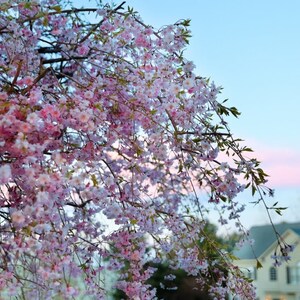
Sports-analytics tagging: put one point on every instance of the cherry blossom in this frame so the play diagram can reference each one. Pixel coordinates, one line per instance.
(109, 141)
(5, 173)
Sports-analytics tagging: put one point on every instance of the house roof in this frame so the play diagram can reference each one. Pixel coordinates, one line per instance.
(297, 230)
(263, 236)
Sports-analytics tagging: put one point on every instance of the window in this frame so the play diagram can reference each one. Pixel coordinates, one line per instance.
(273, 274)
(293, 274)
(251, 273)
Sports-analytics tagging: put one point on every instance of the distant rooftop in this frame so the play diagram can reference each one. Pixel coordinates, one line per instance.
(264, 236)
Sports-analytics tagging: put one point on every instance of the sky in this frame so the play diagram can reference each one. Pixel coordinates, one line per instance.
(252, 49)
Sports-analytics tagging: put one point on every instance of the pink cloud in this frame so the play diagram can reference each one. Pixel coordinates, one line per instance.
(280, 163)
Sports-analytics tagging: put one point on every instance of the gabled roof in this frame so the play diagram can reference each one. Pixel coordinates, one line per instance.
(296, 230)
(264, 236)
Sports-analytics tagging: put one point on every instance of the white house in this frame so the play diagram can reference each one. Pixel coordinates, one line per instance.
(272, 283)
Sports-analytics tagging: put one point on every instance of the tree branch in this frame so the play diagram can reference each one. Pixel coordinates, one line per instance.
(93, 29)
(62, 59)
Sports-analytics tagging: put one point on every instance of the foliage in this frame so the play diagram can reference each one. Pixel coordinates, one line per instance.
(177, 284)
(105, 123)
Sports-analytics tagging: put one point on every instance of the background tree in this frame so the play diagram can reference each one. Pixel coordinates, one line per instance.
(177, 284)
(105, 123)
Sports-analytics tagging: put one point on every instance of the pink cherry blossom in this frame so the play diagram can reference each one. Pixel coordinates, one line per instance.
(110, 145)
(5, 173)
(17, 217)
(83, 116)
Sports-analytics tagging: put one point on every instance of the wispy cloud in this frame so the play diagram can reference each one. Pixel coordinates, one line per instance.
(280, 163)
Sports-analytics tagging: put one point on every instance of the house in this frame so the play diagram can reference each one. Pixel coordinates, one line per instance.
(272, 283)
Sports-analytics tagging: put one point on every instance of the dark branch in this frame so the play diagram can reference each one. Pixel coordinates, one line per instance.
(81, 205)
(62, 59)
(93, 29)
(48, 50)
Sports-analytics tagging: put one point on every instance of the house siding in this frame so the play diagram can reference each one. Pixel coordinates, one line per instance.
(279, 289)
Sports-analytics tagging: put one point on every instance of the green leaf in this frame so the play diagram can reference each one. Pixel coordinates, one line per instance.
(258, 264)
(118, 32)
(70, 173)
(247, 185)
(197, 140)
(234, 111)
(179, 70)
(247, 149)
(186, 22)
(57, 8)
(253, 190)
(278, 210)
(94, 180)
(133, 222)
(223, 198)
(27, 5)
(27, 230)
(139, 151)
(83, 266)
(180, 168)
(45, 21)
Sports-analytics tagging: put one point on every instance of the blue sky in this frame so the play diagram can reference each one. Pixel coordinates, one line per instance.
(252, 49)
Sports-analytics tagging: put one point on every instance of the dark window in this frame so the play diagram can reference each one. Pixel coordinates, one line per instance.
(273, 274)
(288, 275)
(252, 273)
(293, 274)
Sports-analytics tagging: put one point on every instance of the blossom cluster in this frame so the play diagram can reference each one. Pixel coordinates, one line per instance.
(284, 253)
(107, 138)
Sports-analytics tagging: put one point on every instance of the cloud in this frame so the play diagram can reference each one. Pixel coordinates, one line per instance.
(280, 163)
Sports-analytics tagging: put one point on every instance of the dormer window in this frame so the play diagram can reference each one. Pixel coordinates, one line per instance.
(273, 274)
